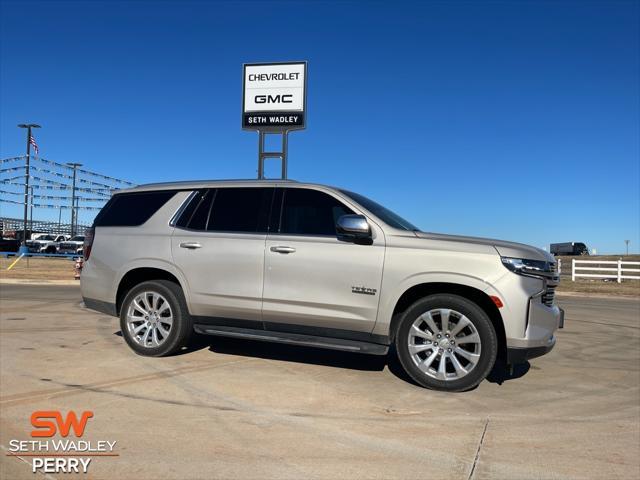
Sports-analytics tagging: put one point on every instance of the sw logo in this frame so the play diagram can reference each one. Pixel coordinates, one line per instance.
(48, 422)
(60, 455)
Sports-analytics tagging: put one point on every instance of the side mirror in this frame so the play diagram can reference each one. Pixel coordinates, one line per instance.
(354, 228)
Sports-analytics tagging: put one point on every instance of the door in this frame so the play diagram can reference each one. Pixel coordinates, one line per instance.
(218, 243)
(313, 279)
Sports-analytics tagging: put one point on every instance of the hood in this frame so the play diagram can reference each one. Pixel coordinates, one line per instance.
(505, 249)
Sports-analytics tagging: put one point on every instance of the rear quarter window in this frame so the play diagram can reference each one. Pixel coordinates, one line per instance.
(132, 209)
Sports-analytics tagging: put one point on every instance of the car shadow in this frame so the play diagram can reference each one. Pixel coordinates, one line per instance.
(330, 358)
(503, 373)
(291, 353)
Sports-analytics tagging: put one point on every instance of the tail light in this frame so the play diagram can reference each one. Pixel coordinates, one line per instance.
(88, 242)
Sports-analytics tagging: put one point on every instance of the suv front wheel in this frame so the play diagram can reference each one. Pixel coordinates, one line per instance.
(154, 318)
(446, 342)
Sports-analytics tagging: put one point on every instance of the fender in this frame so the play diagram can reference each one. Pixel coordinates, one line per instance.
(152, 263)
(391, 298)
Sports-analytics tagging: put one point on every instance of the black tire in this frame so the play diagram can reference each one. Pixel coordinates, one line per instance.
(481, 322)
(50, 250)
(181, 328)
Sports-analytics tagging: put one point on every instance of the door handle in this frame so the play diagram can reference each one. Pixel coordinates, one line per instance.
(190, 245)
(281, 249)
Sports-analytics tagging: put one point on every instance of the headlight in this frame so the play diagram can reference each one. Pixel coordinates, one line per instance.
(532, 268)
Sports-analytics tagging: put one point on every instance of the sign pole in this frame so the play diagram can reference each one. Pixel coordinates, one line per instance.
(282, 155)
(261, 155)
(285, 142)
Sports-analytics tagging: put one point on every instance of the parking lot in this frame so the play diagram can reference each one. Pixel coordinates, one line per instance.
(241, 409)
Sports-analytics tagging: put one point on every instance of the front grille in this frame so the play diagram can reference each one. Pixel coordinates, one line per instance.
(549, 295)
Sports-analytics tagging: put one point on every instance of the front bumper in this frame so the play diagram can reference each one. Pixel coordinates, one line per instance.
(540, 338)
(517, 355)
(69, 248)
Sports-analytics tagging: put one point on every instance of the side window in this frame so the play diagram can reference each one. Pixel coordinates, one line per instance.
(310, 212)
(131, 209)
(187, 211)
(195, 215)
(240, 210)
(228, 210)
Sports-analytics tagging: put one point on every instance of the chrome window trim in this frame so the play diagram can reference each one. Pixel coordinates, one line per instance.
(176, 215)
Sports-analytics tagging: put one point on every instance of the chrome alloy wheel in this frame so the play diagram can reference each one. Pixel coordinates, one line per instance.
(149, 319)
(444, 344)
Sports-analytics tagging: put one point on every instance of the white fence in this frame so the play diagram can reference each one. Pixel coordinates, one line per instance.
(615, 269)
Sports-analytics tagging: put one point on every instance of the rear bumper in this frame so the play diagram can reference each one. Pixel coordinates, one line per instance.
(100, 306)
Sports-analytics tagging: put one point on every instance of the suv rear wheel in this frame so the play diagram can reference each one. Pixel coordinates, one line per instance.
(446, 342)
(154, 318)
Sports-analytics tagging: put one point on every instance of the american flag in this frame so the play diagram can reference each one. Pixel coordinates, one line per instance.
(33, 143)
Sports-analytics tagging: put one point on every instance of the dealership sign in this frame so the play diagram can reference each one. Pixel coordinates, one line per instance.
(274, 96)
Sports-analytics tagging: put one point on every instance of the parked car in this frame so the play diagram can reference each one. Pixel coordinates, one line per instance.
(569, 248)
(42, 243)
(9, 245)
(74, 245)
(316, 266)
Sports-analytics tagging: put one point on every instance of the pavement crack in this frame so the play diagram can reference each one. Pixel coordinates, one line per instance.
(475, 460)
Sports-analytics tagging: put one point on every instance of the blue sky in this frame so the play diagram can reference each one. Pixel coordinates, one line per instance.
(517, 120)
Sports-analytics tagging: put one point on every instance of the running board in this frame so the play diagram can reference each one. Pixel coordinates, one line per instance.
(294, 339)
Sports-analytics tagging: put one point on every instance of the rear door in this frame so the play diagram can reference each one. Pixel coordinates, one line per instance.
(313, 279)
(218, 243)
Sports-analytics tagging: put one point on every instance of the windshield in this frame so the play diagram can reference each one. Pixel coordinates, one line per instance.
(387, 216)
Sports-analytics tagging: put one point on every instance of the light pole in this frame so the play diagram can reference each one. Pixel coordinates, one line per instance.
(28, 126)
(31, 212)
(73, 198)
(75, 218)
(627, 242)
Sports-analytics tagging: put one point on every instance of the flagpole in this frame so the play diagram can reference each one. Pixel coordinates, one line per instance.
(28, 126)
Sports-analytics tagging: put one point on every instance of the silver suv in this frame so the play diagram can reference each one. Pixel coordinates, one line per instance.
(318, 266)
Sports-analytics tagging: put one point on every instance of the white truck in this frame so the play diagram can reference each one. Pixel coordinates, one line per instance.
(42, 243)
(73, 245)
